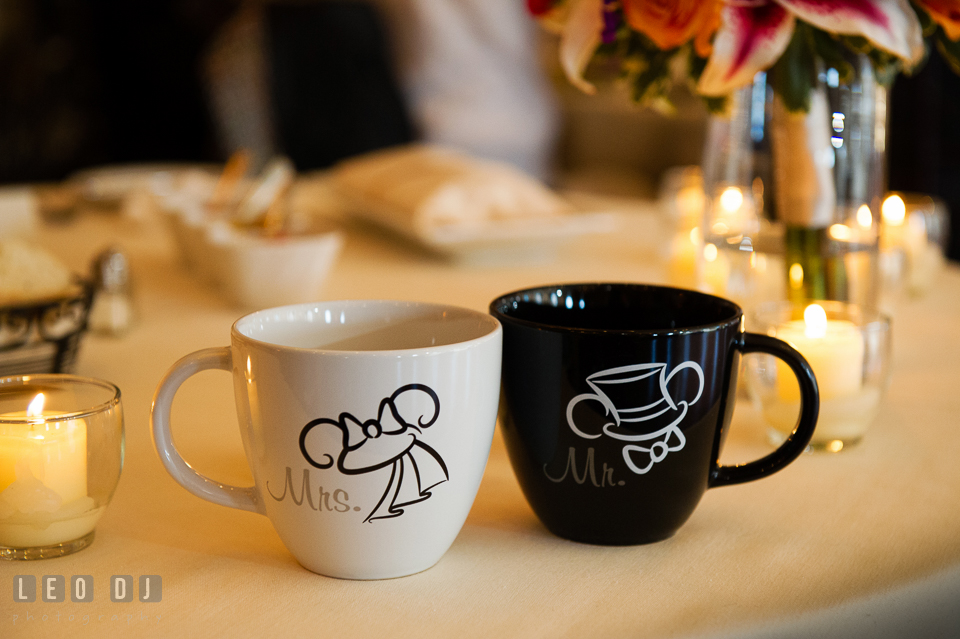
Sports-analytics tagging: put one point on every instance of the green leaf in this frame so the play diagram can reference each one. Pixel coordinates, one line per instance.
(886, 66)
(652, 82)
(831, 50)
(927, 24)
(857, 44)
(794, 74)
(695, 66)
(608, 49)
(949, 49)
(717, 105)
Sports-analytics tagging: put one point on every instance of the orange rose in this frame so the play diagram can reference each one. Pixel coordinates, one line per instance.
(946, 13)
(671, 23)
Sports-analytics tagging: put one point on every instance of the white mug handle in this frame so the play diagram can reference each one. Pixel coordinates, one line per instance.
(180, 470)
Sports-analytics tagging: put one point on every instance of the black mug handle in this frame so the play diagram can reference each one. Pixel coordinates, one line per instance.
(797, 442)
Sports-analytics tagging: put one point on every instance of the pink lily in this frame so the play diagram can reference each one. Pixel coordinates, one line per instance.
(754, 33)
(579, 39)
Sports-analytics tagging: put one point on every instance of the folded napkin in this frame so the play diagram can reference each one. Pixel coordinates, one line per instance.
(422, 188)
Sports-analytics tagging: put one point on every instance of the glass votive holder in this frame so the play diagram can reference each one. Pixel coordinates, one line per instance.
(915, 226)
(848, 348)
(681, 202)
(61, 452)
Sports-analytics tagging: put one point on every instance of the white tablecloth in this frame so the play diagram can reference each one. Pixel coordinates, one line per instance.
(861, 544)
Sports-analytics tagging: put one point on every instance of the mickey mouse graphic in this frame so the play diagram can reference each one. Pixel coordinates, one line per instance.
(388, 440)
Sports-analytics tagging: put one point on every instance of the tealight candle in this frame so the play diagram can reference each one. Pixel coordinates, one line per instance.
(905, 229)
(61, 452)
(716, 270)
(684, 258)
(847, 352)
(43, 478)
(834, 349)
(898, 231)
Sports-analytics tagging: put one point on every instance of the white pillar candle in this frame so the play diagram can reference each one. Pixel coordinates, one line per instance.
(43, 479)
(684, 260)
(835, 351)
(716, 270)
(906, 230)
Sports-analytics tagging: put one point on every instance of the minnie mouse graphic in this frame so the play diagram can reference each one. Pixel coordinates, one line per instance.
(388, 440)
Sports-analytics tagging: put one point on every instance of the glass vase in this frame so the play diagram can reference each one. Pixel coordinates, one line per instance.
(793, 198)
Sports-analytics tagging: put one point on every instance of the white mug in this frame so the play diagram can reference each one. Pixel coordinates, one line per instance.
(367, 426)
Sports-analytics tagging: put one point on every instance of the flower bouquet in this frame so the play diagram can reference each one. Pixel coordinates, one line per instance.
(724, 43)
(820, 69)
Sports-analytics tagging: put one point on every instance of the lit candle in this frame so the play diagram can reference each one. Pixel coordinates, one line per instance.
(686, 214)
(716, 270)
(906, 230)
(896, 232)
(835, 350)
(43, 478)
(684, 258)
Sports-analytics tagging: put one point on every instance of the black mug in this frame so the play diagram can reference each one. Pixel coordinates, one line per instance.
(616, 400)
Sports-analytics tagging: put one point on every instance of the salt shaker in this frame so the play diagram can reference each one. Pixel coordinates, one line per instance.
(112, 312)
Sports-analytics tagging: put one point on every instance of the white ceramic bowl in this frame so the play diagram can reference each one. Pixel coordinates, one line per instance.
(260, 272)
(253, 271)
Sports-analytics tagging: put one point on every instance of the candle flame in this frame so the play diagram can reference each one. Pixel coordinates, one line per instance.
(710, 252)
(840, 232)
(864, 217)
(796, 276)
(894, 210)
(35, 408)
(731, 199)
(815, 321)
